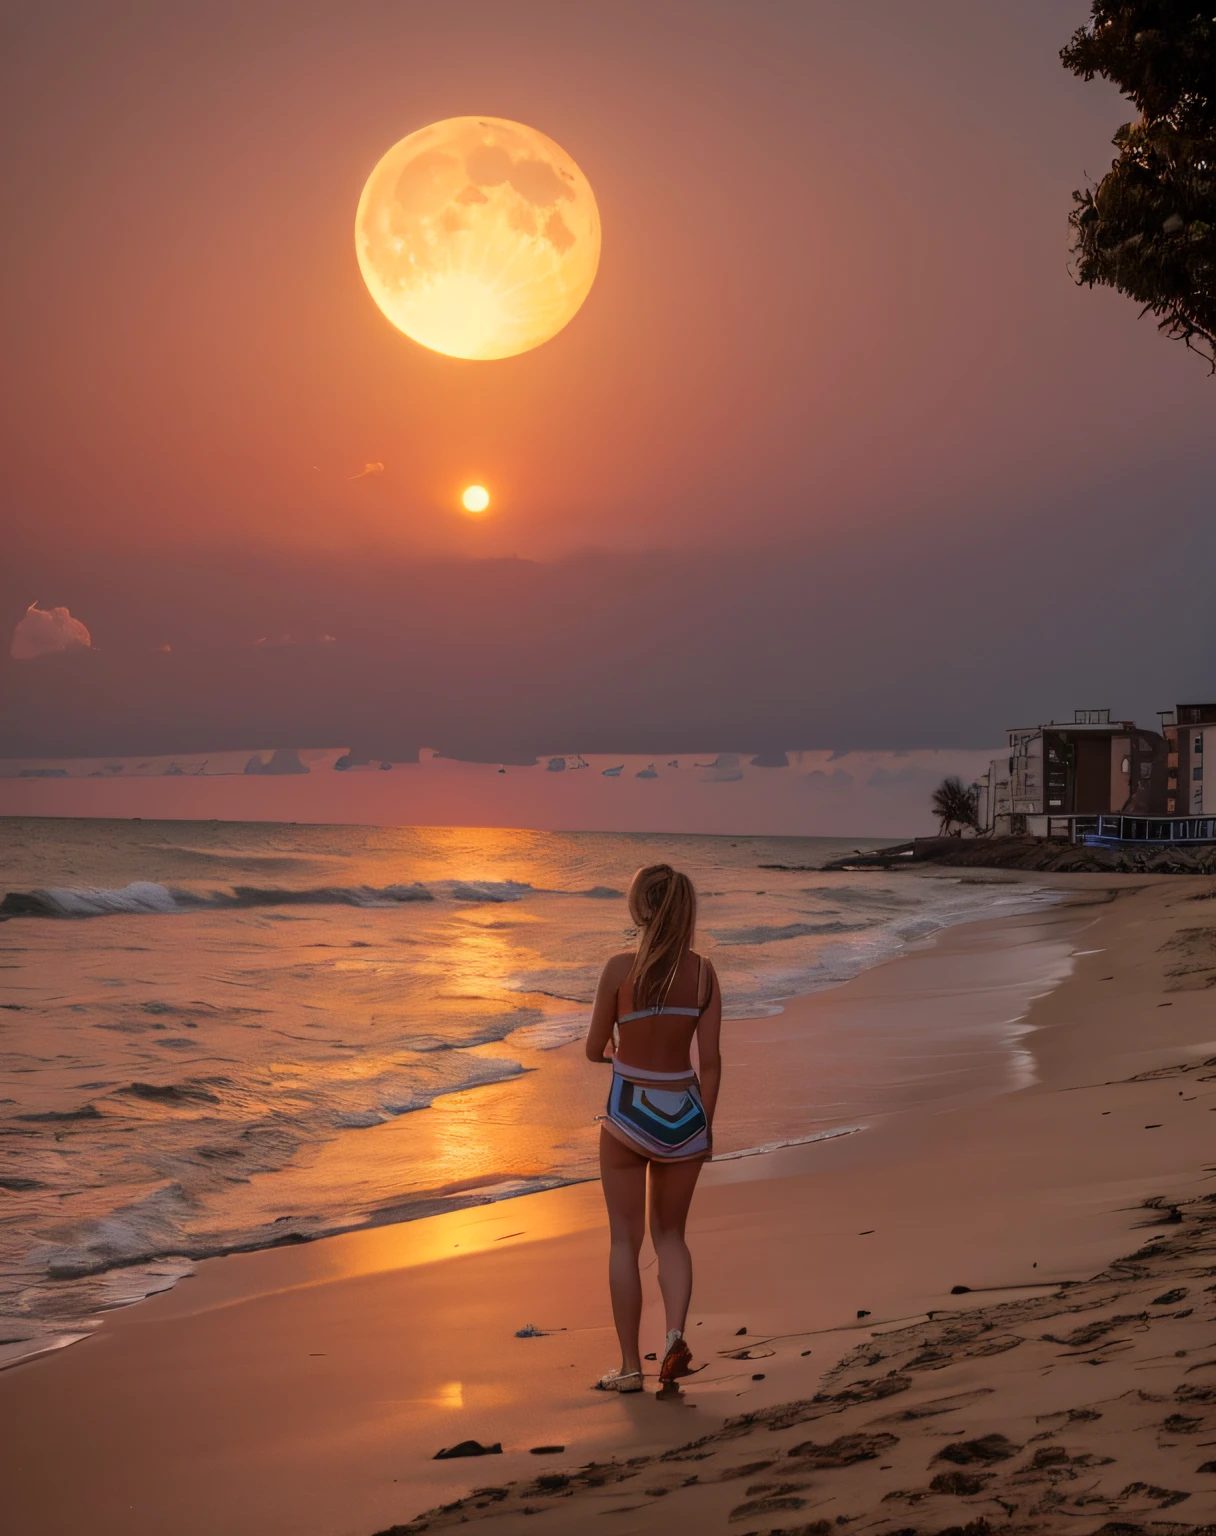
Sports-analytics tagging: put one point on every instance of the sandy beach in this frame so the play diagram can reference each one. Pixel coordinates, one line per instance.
(307, 1388)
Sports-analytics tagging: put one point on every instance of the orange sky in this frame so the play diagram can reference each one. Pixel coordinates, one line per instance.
(833, 285)
(833, 325)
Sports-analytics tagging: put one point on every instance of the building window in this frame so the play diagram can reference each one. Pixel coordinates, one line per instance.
(1198, 743)
(1197, 773)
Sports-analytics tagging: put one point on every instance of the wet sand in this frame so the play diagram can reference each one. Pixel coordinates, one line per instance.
(307, 1389)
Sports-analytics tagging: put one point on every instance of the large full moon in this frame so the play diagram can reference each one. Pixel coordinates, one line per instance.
(478, 237)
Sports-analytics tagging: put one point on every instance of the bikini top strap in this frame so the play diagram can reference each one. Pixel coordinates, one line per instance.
(704, 970)
(664, 1007)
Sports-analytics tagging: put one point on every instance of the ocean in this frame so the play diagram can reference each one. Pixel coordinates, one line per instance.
(224, 1036)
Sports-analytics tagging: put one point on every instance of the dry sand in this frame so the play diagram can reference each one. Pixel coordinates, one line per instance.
(306, 1390)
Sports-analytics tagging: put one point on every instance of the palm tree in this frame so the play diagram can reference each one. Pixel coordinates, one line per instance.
(955, 805)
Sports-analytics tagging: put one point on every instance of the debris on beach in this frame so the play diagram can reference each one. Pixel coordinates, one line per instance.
(546, 1450)
(468, 1448)
(530, 1331)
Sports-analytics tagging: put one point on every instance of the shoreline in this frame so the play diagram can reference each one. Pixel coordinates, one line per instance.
(541, 1116)
(324, 1464)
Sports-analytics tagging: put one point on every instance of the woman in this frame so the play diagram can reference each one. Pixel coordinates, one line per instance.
(650, 1005)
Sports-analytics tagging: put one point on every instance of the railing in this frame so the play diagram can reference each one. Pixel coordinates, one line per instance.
(1104, 831)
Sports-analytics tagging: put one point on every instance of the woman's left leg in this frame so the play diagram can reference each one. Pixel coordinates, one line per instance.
(623, 1174)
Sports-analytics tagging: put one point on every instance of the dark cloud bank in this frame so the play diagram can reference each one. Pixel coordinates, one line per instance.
(921, 639)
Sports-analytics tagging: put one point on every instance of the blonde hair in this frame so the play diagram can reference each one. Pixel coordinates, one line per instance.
(663, 903)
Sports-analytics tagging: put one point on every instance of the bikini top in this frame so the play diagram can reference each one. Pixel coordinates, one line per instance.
(660, 1008)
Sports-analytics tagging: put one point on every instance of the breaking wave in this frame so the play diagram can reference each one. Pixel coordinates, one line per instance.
(143, 897)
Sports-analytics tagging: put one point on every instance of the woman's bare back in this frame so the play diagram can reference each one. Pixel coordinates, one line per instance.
(662, 1042)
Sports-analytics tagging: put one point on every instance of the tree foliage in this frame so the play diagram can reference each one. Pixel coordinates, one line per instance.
(1148, 229)
(956, 805)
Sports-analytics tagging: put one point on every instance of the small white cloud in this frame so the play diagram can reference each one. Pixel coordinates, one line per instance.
(368, 469)
(46, 632)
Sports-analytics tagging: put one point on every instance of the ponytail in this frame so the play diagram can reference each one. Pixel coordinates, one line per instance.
(663, 903)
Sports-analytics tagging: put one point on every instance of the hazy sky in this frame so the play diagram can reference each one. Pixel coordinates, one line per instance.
(835, 454)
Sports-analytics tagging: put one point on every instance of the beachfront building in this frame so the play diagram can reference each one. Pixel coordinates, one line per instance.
(1061, 770)
(992, 797)
(1190, 737)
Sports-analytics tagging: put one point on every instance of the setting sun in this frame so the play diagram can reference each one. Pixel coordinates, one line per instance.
(475, 499)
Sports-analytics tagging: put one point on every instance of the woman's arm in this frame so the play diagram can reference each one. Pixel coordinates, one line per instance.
(603, 1013)
(709, 1055)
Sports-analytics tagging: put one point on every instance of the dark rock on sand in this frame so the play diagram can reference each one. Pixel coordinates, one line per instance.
(547, 1450)
(468, 1448)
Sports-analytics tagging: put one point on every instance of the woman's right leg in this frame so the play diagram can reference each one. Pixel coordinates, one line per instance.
(623, 1174)
(671, 1191)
